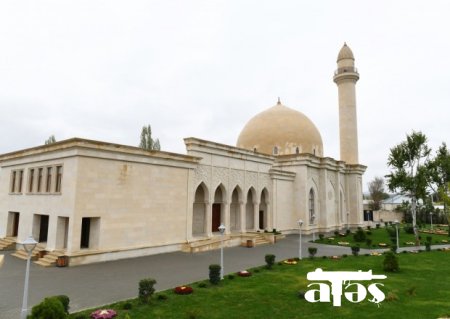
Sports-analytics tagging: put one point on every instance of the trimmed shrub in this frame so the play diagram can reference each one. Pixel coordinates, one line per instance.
(347, 232)
(270, 261)
(65, 300)
(428, 246)
(360, 235)
(378, 226)
(214, 274)
(390, 262)
(162, 297)
(408, 229)
(355, 250)
(202, 284)
(369, 227)
(429, 239)
(312, 252)
(49, 308)
(81, 316)
(321, 237)
(368, 242)
(230, 276)
(146, 289)
(336, 233)
(128, 305)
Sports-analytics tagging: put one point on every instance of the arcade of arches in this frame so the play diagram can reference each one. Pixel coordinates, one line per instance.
(241, 212)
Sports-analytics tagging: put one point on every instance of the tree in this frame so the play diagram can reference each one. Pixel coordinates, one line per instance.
(50, 140)
(147, 142)
(440, 172)
(410, 174)
(376, 190)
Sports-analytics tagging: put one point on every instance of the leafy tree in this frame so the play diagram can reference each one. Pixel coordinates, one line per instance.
(440, 172)
(376, 190)
(410, 173)
(147, 142)
(50, 140)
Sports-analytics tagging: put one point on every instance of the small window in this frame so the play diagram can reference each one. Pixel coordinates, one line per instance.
(48, 184)
(297, 150)
(312, 215)
(39, 181)
(314, 151)
(275, 150)
(31, 180)
(254, 149)
(20, 181)
(13, 182)
(58, 179)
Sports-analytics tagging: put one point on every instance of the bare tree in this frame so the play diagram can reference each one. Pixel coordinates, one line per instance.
(50, 140)
(376, 190)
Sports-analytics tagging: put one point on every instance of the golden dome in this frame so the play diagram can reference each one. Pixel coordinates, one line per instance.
(280, 130)
(345, 53)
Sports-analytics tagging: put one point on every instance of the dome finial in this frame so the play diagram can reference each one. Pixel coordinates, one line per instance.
(279, 102)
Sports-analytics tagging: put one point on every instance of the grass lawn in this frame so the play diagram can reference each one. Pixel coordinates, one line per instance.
(380, 235)
(421, 289)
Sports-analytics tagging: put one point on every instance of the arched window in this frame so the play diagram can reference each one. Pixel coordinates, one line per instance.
(312, 214)
(297, 150)
(254, 149)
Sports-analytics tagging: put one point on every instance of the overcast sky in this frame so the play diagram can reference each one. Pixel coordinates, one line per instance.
(103, 69)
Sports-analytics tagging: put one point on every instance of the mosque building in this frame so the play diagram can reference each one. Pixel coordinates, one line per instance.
(94, 201)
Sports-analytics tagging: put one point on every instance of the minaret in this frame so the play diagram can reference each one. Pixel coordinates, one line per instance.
(345, 77)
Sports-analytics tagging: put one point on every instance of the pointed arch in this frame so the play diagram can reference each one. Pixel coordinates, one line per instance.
(263, 209)
(235, 209)
(218, 207)
(249, 209)
(312, 206)
(201, 199)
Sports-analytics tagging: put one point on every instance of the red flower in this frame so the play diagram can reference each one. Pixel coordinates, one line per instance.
(183, 290)
(244, 273)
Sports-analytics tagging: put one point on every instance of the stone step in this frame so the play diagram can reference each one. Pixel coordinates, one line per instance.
(50, 258)
(8, 243)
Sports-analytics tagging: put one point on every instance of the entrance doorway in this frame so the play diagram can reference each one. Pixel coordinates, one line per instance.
(85, 232)
(261, 219)
(13, 224)
(43, 228)
(216, 217)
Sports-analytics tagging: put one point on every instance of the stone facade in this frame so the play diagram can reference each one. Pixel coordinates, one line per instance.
(97, 201)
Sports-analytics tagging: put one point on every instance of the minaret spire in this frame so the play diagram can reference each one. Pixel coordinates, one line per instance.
(346, 77)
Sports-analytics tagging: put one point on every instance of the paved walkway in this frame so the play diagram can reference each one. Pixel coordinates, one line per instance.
(102, 283)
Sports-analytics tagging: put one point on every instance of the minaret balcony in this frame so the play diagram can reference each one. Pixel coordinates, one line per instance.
(347, 69)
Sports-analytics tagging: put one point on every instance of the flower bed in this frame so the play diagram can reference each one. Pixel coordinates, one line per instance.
(375, 253)
(244, 273)
(183, 290)
(290, 261)
(410, 243)
(103, 314)
(335, 257)
(343, 243)
(444, 241)
(382, 244)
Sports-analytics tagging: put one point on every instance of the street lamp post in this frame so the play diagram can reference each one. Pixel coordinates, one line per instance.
(28, 244)
(222, 231)
(396, 232)
(300, 223)
(431, 220)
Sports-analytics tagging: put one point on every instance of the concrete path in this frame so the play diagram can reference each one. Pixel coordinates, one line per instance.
(102, 283)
